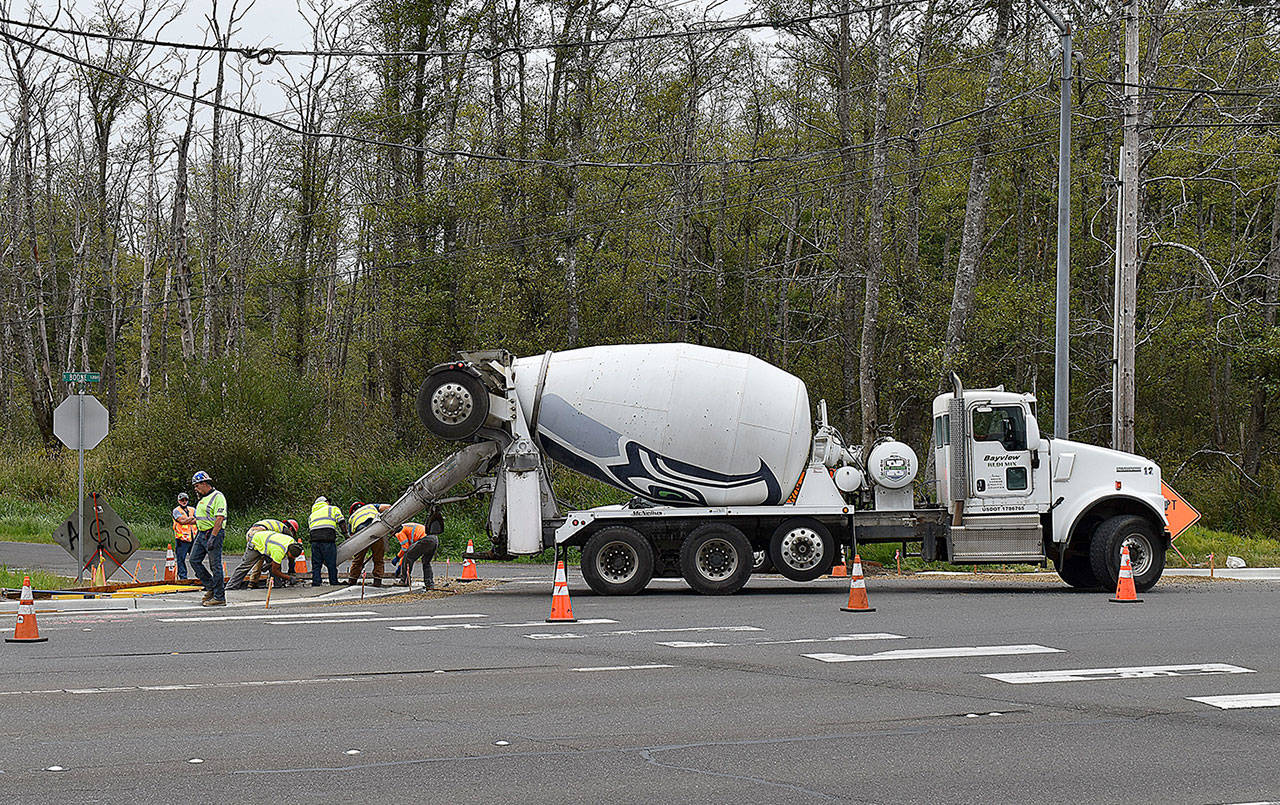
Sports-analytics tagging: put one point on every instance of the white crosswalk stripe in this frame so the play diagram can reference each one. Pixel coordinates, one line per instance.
(623, 667)
(620, 632)
(689, 643)
(268, 616)
(287, 620)
(936, 653)
(1133, 672)
(1240, 701)
(525, 624)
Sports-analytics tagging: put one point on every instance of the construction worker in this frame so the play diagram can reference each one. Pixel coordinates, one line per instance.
(273, 548)
(323, 527)
(184, 530)
(361, 515)
(418, 543)
(211, 519)
(255, 559)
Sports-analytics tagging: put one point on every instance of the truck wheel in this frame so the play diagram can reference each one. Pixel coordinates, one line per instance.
(1146, 551)
(1076, 571)
(802, 549)
(762, 563)
(716, 559)
(453, 404)
(617, 561)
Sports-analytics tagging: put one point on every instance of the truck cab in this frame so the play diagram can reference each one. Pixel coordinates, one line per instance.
(1016, 496)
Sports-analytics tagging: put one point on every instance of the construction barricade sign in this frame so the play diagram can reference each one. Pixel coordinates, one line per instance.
(1180, 514)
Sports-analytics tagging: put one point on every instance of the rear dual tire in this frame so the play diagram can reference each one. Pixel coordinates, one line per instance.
(617, 561)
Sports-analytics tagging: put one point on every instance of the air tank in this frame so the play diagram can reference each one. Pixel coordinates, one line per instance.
(672, 423)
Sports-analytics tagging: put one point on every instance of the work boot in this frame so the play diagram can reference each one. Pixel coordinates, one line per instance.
(429, 582)
(214, 602)
(207, 597)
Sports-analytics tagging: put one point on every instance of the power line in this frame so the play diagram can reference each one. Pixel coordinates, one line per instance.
(267, 55)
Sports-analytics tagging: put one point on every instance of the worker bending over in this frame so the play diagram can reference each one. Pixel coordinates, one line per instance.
(256, 551)
(419, 543)
(361, 515)
(323, 527)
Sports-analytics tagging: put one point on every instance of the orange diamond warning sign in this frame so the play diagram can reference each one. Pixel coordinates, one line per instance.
(1180, 514)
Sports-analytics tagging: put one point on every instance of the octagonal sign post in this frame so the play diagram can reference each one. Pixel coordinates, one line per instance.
(81, 423)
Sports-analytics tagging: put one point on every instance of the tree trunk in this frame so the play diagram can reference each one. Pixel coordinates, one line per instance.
(1256, 426)
(972, 234)
(867, 387)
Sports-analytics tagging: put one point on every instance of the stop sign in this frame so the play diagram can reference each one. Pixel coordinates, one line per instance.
(67, 417)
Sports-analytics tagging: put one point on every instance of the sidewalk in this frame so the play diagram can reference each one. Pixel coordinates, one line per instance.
(53, 559)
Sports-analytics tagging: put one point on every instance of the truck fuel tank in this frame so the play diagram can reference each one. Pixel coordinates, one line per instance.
(672, 423)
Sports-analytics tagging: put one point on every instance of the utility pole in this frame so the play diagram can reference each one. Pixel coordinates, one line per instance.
(1062, 308)
(1126, 290)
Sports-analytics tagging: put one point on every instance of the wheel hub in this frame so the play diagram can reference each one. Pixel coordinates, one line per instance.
(452, 404)
(802, 548)
(1140, 553)
(717, 560)
(617, 562)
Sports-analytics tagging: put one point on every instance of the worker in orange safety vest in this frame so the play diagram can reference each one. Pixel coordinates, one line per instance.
(418, 543)
(184, 530)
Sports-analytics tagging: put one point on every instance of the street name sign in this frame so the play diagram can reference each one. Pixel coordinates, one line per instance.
(81, 377)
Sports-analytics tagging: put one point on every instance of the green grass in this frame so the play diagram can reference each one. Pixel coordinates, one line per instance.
(40, 580)
(1196, 543)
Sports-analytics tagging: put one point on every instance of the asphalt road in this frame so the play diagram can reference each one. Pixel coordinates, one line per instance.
(668, 696)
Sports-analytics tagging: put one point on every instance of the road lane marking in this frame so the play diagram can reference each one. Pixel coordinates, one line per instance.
(526, 624)
(1134, 672)
(185, 686)
(689, 643)
(837, 639)
(615, 633)
(936, 653)
(623, 667)
(1240, 701)
(286, 620)
(208, 619)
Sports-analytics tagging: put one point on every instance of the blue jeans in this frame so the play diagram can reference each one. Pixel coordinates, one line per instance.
(180, 550)
(326, 554)
(211, 578)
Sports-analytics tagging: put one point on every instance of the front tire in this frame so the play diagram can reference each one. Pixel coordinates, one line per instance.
(716, 559)
(1146, 551)
(802, 549)
(617, 561)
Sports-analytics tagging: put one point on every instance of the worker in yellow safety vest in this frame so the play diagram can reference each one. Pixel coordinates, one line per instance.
(273, 548)
(323, 528)
(255, 559)
(184, 530)
(361, 515)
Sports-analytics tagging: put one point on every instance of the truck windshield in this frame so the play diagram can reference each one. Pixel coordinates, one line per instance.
(1002, 423)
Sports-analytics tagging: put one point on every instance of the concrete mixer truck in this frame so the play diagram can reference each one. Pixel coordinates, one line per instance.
(729, 476)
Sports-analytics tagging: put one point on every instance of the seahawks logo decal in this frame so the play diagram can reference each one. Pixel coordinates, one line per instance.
(632, 466)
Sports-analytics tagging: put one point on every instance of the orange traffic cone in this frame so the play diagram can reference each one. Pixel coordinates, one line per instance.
(561, 610)
(469, 564)
(170, 565)
(857, 590)
(1125, 592)
(300, 564)
(839, 570)
(26, 630)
